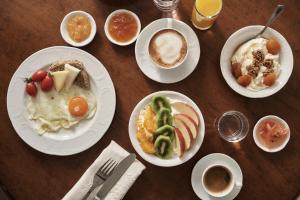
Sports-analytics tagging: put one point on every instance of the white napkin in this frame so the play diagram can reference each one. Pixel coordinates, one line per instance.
(119, 190)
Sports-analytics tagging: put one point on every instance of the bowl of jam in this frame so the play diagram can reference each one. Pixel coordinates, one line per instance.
(122, 27)
(78, 28)
(271, 133)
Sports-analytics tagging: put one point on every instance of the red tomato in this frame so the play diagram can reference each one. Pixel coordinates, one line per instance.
(39, 75)
(31, 89)
(47, 83)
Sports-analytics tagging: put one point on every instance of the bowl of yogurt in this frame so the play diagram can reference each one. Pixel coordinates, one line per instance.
(258, 67)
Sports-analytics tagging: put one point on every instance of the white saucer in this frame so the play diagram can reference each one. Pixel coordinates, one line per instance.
(172, 75)
(211, 159)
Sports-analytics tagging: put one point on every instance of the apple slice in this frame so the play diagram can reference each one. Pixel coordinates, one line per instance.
(180, 143)
(181, 126)
(186, 109)
(192, 126)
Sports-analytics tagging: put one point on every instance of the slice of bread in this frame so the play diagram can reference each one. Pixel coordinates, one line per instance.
(82, 80)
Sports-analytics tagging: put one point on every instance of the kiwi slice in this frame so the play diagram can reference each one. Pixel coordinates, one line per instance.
(159, 102)
(164, 117)
(163, 147)
(165, 130)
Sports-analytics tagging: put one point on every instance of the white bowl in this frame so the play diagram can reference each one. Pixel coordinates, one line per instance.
(176, 65)
(64, 33)
(176, 160)
(260, 145)
(113, 40)
(238, 38)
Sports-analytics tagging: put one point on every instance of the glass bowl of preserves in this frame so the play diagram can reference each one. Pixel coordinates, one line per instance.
(122, 27)
(78, 28)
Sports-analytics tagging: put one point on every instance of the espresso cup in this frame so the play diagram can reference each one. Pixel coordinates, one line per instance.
(231, 182)
(182, 57)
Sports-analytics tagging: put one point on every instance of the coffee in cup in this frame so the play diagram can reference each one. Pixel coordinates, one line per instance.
(167, 48)
(217, 180)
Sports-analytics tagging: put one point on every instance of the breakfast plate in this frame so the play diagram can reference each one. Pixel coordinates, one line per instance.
(210, 160)
(162, 75)
(284, 57)
(186, 148)
(65, 141)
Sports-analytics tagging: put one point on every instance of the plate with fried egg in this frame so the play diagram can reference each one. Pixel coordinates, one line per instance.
(61, 100)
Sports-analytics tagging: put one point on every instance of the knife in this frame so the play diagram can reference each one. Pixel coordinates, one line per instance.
(113, 179)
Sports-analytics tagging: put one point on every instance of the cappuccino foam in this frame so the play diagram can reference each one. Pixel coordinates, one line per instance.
(168, 47)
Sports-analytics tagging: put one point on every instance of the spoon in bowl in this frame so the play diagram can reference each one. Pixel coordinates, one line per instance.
(278, 10)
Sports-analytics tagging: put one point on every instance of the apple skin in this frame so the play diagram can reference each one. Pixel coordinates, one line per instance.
(188, 137)
(188, 110)
(180, 143)
(190, 123)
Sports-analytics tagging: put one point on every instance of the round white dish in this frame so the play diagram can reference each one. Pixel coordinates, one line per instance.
(161, 75)
(81, 136)
(238, 38)
(273, 150)
(215, 159)
(152, 158)
(113, 40)
(65, 35)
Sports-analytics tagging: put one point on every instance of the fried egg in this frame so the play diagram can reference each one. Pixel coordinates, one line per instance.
(54, 110)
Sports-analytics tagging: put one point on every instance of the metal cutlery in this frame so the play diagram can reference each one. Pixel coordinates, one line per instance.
(114, 178)
(278, 10)
(102, 174)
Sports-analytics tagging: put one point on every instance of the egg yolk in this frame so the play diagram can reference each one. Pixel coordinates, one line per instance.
(78, 106)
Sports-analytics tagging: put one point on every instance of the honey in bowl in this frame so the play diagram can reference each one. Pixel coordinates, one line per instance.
(79, 28)
(122, 27)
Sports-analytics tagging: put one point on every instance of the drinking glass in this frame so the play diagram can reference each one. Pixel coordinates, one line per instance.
(232, 126)
(205, 12)
(166, 5)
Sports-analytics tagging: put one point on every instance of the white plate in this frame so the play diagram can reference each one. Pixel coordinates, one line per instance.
(65, 141)
(162, 75)
(240, 36)
(213, 159)
(152, 158)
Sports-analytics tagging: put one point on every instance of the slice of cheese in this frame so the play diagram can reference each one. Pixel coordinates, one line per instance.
(59, 78)
(73, 72)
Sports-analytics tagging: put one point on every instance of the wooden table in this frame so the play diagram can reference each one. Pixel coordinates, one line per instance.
(28, 26)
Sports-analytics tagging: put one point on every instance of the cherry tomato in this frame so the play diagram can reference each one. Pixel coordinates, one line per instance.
(47, 83)
(31, 89)
(39, 75)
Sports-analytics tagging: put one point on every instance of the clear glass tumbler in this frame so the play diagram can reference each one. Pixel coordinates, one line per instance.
(166, 5)
(233, 126)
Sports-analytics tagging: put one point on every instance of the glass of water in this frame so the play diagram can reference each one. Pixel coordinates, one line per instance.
(166, 5)
(233, 126)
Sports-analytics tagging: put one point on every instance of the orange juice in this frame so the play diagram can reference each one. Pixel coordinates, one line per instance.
(205, 13)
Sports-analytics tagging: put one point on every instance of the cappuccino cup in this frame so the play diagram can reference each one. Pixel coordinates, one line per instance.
(168, 48)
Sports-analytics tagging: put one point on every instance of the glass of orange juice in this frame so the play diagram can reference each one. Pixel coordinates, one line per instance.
(205, 12)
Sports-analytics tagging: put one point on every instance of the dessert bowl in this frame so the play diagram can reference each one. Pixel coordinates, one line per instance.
(65, 35)
(260, 144)
(111, 39)
(240, 37)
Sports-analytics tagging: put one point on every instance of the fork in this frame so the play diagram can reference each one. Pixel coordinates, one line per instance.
(102, 174)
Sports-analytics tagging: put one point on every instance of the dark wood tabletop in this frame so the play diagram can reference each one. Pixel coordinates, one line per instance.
(31, 25)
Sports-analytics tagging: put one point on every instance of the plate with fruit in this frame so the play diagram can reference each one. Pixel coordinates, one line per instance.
(61, 100)
(166, 128)
(258, 67)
